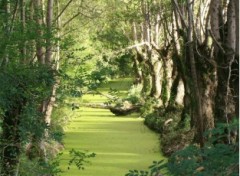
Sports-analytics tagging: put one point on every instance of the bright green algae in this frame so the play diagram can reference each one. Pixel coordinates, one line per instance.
(120, 143)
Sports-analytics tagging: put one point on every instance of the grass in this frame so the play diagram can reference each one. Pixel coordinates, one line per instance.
(121, 143)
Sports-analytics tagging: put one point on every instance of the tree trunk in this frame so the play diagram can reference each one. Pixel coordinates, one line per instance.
(7, 17)
(39, 42)
(236, 63)
(168, 69)
(207, 83)
(181, 60)
(147, 80)
(49, 19)
(138, 71)
(48, 57)
(225, 57)
(156, 79)
(195, 89)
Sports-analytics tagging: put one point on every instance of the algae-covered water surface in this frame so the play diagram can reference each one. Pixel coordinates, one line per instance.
(121, 143)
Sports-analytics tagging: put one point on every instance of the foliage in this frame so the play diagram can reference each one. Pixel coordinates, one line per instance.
(19, 85)
(134, 94)
(216, 158)
(20, 102)
(173, 136)
(33, 168)
(79, 158)
(212, 159)
(149, 106)
(154, 122)
(77, 76)
(157, 119)
(52, 167)
(112, 38)
(60, 118)
(124, 63)
(224, 132)
(221, 159)
(137, 173)
(155, 169)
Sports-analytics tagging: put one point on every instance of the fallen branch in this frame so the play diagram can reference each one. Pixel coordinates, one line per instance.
(119, 111)
(97, 105)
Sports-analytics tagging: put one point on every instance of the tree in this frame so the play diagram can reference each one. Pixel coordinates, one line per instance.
(17, 68)
(157, 27)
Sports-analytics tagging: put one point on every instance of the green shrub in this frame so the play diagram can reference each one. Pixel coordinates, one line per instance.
(165, 122)
(221, 159)
(153, 121)
(217, 157)
(149, 106)
(156, 169)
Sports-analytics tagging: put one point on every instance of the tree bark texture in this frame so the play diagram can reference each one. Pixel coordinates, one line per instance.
(39, 41)
(156, 79)
(224, 54)
(195, 89)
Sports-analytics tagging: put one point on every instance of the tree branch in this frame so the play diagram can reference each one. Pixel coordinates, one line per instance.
(180, 14)
(73, 17)
(63, 10)
(215, 40)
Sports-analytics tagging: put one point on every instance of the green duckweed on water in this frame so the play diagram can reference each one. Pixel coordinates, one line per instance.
(121, 143)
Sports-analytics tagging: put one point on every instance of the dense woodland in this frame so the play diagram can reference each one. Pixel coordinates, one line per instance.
(183, 56)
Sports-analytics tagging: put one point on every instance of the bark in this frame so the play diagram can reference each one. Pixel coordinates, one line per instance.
(235, 66)
(58, 37)
(195, 88)
(39, 41)
(157, 26)
(63, 10)
(180, 59)
(169, 79)
(237, 27)
(38, 143)
(199, 81)
(147, 79)
(224, 50)
(138, 71)
(137, 59)
(50, 104)
(23, 21)
(52, 99)
(207, 84)
(156, 79)
(180, 93)
(49, 19)
(175, 92)
(206, 78)
(4, 55)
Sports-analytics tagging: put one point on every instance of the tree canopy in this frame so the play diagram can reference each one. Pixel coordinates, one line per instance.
(183, 56)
